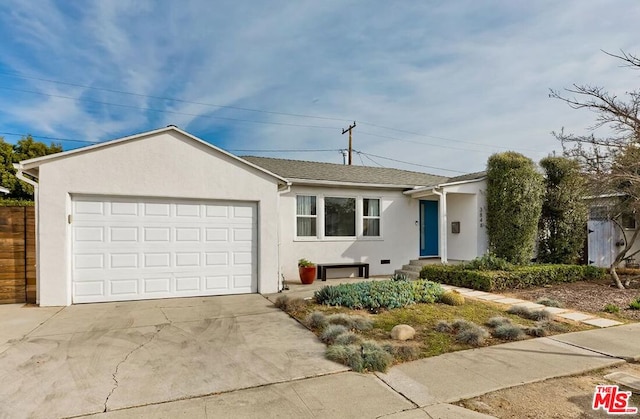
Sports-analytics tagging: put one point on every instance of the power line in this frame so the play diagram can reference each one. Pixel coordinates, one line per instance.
(413, 164)
(49, 138)
(423, 143)
(167, 111)
(26, 77)
(103, 89)
(445, 138)
(281, 151)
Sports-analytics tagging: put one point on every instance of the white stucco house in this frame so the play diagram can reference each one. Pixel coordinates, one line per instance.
(165, 214)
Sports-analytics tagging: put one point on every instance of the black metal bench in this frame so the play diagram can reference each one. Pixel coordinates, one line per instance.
(363, 268)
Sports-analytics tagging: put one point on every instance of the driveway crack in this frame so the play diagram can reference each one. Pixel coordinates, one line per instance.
(114, 375)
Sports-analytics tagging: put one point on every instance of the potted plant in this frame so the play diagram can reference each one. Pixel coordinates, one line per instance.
(307, 271)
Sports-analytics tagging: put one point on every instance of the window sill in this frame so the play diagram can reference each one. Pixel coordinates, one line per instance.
(337, 239)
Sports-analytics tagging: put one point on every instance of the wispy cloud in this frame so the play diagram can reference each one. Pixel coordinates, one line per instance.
(458, 72)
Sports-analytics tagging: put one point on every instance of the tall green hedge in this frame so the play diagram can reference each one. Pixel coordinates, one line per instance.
(518, 277)
(514, 201)
(562, 226)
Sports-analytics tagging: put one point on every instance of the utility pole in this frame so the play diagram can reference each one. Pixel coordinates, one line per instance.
(350, 143)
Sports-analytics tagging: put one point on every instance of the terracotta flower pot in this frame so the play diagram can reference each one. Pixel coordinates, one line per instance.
(307, 274)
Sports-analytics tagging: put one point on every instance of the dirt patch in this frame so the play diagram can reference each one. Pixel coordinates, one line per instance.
(589, 296)
(568, 397)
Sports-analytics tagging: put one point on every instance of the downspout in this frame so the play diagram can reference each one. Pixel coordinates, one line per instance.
(20, 175)
(281, 285)
(442, 203)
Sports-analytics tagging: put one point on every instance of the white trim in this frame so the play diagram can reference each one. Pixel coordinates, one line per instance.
(4, 190)
(420, 189)
(36, 162)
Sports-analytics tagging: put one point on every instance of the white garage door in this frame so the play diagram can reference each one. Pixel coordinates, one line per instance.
(133, 249)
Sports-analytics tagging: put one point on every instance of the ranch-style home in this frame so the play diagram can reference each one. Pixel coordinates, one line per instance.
(165, 214)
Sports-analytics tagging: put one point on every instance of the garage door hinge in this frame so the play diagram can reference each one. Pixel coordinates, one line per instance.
(69, 218)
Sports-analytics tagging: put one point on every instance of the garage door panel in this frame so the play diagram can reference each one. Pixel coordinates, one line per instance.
(128, 249)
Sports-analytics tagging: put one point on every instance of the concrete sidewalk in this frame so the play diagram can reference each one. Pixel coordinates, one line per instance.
(419, 389)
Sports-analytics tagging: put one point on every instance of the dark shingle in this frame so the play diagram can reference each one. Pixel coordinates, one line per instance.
(299, 169)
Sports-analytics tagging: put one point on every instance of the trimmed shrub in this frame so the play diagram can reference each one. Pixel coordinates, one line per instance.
(508, 332)
(514, 202)
(549, 302)
(498, 321)
(331, 332)
(561, 232)
(375, 295)
(452, 298)
(474, 335)
(348, 338)
(488, 262)
(10, 202)
(518, 278)
(316, 320)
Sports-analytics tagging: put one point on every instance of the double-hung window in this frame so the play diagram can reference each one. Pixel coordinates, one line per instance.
(306, 216)
(370, 217)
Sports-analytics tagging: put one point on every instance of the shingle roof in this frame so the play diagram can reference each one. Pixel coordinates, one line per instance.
(468, 176)
(299, 169)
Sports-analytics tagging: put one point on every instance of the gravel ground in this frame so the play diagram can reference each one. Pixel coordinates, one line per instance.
(589, 296)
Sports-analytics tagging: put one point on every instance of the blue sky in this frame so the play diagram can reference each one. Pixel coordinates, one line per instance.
(442, 84)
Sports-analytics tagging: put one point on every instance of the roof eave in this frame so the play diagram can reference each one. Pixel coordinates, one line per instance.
(422, 189)
(36, 162)
(336, 183)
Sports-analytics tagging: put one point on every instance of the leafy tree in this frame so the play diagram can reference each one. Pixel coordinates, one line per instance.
(25, 148)
(514, 201)
(612, 161)
(562, 226)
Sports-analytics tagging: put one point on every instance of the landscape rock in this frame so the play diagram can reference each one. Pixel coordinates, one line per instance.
(403, 332)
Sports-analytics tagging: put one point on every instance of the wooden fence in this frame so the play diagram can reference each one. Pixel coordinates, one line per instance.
(17, 255)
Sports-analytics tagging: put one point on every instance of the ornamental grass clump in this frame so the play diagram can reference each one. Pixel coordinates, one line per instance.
(519, 311)
(316, 320)
(351, 322)
(402, 353)
(474, 335)
(443, 326)
(348, 338)
(349, 355)
(331, 332)
(549, 302)
(290, 305)
(540, 315)
(498, 321)
(374, 358)
(508, 332)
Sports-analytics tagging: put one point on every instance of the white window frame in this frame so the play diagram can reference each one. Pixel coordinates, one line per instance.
(371, 217)
(320, 218)
(306, 216)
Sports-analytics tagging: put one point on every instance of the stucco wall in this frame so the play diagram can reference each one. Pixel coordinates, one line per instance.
(167, 165)
(467, 203)
(399, 242)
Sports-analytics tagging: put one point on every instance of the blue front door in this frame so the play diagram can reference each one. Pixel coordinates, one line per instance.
(428, 228)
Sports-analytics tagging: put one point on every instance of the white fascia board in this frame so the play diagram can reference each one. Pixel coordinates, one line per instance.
(35, 162)
(335, 183)
(421, 189)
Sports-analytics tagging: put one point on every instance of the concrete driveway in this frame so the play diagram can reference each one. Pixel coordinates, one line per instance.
(99, 357)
